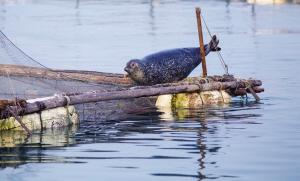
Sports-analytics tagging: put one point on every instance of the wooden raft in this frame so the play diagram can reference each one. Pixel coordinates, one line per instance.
(126, 89)
(236, 87)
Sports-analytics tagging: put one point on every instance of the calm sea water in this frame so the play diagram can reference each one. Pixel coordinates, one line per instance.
(241, 141)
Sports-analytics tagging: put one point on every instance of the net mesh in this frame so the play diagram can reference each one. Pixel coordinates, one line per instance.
(27, 86)
(11, 54)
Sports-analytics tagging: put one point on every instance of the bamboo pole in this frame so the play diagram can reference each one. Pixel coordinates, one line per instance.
(201, 42)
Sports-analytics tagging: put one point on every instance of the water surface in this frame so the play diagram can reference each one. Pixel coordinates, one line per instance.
(241, 141)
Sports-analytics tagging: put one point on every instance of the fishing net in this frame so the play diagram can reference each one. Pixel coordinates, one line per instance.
(23, 77)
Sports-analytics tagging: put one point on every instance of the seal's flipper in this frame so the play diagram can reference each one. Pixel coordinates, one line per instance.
(213, 44)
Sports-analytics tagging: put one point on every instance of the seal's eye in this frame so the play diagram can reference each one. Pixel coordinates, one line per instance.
(133, 65)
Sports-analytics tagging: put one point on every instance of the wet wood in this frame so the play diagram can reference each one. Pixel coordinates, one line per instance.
(253, 94)
(244, 91)
(5, 103)
(201, 42)
(21, 122)
(257, 89)
(72, 75)
(237, 92)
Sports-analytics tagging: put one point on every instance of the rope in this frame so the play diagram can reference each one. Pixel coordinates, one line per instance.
(220, 90)
(67, 98)
(199, 92)
(205, 79)
(225, 66)
(248, 86)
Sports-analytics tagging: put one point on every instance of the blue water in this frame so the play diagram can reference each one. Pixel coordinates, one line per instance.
(241, 141)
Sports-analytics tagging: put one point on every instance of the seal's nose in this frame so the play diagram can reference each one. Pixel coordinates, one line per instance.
(126, 69)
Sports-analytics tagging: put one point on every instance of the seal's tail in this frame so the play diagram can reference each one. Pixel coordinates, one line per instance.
(212, 45)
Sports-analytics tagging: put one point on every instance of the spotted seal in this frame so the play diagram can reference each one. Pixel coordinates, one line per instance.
(167, 66)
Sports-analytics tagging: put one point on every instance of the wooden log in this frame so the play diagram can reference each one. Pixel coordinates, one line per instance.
(17, 117)
(257, 89)
(88, 97)
(237, 92)
(4, 103)
(97, 77)
(201, 42)
(257, 98)
(72, 75)
(244, 91)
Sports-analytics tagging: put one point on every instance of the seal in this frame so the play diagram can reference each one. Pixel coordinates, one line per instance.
(169, 65)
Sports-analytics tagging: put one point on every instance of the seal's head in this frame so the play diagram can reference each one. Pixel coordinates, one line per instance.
(135, 70)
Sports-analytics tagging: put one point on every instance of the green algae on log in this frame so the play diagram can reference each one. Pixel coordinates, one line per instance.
(52, 118)
(193, 100)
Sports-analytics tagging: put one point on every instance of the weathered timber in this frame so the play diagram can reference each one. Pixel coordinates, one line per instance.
(94, 76)
(244, 91)
(253, 94)
(21, 123)
(128, 93)
(4, 103)
(75, 75)
(15, 102)
(200, 35)
(257, 89)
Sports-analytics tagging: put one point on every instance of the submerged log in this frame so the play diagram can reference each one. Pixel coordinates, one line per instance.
(126, 93)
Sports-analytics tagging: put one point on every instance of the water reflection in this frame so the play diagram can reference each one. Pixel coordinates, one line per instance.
(190, 131)
(206, 117)
(17, 148)
(77, 4)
